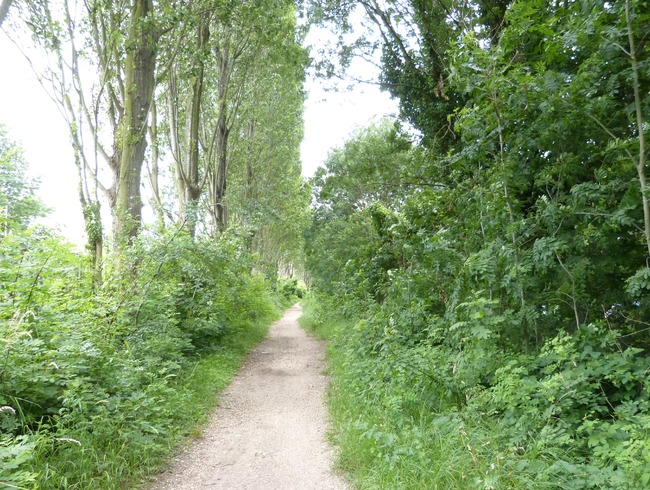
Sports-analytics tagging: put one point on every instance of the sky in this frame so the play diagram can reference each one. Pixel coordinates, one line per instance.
(331, 116)
(33, 120)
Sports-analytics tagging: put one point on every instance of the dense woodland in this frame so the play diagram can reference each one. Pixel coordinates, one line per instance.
(493, 249)
(481, 264)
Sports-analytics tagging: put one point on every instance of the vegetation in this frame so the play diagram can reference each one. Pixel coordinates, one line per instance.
(291, 288)
(96, 382)
(187, 112)
(200, 102)
(481, 266)
(490, 259)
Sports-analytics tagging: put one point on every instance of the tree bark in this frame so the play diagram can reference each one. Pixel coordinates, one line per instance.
(154, 170)
(220, 183)
(222, 131)
(4, 9)
(191, 187)
(249, 189)
(131, 138)
(638, 106)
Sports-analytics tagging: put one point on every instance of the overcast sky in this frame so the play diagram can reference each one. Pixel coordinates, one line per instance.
(34, 121)
(330, 116)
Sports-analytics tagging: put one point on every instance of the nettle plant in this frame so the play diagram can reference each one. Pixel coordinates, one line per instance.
(578, 411)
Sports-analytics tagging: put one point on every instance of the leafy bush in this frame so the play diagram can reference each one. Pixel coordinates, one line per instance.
(291, 287)
(572, 416)
(16, 454)
(580, 407)
(495, 268)
(97, 378)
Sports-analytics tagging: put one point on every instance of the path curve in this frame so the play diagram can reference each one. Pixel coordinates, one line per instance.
(268, 431)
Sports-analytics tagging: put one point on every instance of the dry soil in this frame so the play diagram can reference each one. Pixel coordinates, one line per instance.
(269, 430)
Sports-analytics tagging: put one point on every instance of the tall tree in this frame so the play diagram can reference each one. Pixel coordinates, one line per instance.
(129, 142)
(184, 67)
(60, 76)
(101, 73)
(4, 10)
(18, 204)
(243, 39)
(267, 196)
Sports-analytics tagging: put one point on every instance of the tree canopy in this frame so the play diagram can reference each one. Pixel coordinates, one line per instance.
(17, 200)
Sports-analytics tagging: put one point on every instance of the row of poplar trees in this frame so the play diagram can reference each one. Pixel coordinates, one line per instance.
(195, 107)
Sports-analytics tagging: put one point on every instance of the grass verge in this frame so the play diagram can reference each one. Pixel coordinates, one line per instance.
(380, 445)
(199, 388)
(396, 433)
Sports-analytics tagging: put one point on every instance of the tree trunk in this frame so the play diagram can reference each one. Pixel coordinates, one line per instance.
(154, 170)
(249, 192)
(95, 244)
(226, 57)
(638, 106)
(4, 9)
(191, 185)
(220, 183)
(131, 137)
(90, 208)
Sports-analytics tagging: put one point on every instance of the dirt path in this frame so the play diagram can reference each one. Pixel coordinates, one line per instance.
(268, 432)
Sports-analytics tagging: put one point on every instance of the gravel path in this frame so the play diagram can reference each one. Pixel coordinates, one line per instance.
(268, 432)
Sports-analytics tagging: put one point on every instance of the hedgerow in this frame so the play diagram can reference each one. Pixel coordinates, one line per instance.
(95, 380)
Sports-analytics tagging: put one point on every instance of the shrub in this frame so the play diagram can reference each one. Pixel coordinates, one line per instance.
(92, 374)
(291, 287)
(580, 407)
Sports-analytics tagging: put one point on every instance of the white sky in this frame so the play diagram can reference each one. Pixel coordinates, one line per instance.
(330, 116)
(33, 120)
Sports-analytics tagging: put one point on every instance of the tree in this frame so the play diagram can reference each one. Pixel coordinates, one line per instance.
(524, 260)
(267, 197)
(129, 142)
(377, 164)
(185, 87)
(349, 245)
(18, 204)
(4, 9)
(100, 72)
(243, 40)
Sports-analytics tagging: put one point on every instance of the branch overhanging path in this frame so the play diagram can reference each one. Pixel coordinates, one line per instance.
(269, 430)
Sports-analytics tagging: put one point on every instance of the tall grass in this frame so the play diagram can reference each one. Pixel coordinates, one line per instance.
(389, 437)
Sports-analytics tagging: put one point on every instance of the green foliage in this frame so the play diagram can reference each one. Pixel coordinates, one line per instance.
(498, 306)
(356, 192)
(106, 363)
(577, 411)
(291, 288)
(99, 381)
(16, 454)
(18, 204)
(574, 416)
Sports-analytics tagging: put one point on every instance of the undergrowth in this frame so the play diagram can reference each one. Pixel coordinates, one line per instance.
(98, 383)
(573, 416)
